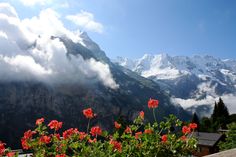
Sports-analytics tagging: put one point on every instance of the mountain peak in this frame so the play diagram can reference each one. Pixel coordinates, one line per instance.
(196, 80)
(84, 36)
(147, 56)
(163, 55)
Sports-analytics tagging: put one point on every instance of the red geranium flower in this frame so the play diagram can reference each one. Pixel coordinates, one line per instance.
(54, 124)
(39, 121)
(11, 154)
(116, 145)
(69, 132)
(141, 114)
(164, 138)
(24, 144)
(28, 134)
(45, 139)
(128, 130)
(138, 134)
(183, 138)
(2, 148)
(193, 125)
(152, 103)
(92, 141)
(117, 125)
(148, 131)
(57, 136)
(96, 130)
(88, 113)
(82, 135)
(186, 130)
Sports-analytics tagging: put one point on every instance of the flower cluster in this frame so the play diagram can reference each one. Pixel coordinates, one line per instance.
(95, 131)
(141, 115)
(54, 124)
(6, 152)
(188, 129)
(117, 125)
(88, 113)
(2, 148)
(39, 121)
(116, 145)
(138, 139)
(152, 103)
(27, 137)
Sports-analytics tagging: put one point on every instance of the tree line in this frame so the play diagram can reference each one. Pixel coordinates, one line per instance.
(220, 120)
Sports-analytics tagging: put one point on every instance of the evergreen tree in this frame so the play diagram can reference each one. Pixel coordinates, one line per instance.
(206, 125)
(220, 115)
(195, 119)
(232, 118)
(223, 109)
(215, 113)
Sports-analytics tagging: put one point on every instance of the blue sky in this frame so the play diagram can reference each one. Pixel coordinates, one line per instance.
(130, 28)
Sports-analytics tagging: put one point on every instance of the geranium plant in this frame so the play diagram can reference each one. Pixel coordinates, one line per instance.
(6, 151)
(167, 138)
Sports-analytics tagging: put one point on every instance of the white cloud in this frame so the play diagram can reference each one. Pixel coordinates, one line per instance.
(48, 23)
(14, 37)
(28, 52)
(3, 35)
(104, 73)
(26, 64)
(35, 2)
(85, 20)
(8, 10)
(229, 100)
(64, 5)
(186, 103)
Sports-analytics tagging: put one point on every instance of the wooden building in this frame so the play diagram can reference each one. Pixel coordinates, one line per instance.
(207, 143)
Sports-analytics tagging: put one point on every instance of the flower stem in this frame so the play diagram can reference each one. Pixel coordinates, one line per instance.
(88, 126)
(154, 115)
(160, 131)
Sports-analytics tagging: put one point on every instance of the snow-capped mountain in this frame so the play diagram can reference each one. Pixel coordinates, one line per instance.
(192, 81)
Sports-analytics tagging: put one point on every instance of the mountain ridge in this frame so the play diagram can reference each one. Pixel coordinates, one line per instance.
(65, 101)
(192, 81)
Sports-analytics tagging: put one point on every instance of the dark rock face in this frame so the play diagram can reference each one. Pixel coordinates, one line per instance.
(21, 103)
(182, 87)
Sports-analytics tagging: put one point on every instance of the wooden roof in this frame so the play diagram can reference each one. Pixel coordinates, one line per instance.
(207, 139)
